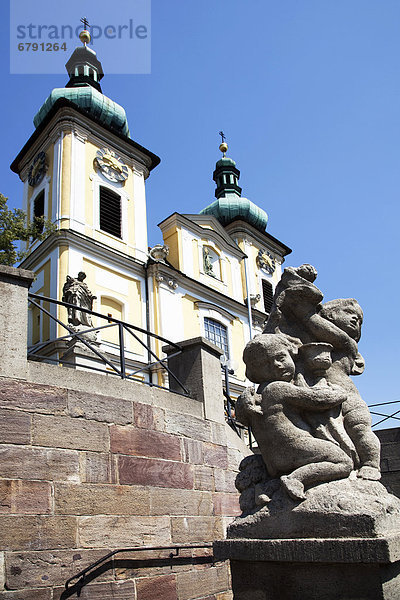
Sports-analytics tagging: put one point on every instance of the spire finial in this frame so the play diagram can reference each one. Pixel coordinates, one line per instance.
(84, 35)
(223, 146)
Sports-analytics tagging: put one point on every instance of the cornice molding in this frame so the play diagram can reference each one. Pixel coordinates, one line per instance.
(244, 230)
(219, 237)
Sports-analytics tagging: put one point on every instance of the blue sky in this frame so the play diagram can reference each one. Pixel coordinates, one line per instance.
(308, 94)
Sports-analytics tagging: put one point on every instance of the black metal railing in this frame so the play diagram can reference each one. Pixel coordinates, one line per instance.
(386, 416)
(107, 561)
(229, 406)
(116, 366)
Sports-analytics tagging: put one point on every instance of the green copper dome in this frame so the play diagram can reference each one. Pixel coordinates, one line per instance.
(91, 100)
(232, 207)
(229, 205)
(225, 161)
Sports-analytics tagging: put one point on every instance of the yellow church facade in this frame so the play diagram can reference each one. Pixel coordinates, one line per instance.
(212, 274)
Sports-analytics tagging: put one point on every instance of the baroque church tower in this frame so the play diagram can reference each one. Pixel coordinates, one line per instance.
(82, 170)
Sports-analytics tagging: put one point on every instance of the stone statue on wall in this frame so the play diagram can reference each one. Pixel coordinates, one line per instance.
(207, 264)
(76, 291)
(312, 427)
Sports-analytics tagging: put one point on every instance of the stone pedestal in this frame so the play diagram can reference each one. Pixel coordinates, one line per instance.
(341, 543)
(313, 569)
(198, 367)
(14, 287)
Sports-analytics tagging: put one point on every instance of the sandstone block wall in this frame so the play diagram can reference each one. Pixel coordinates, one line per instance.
(90, 463)
(83, 473)
(390, 458)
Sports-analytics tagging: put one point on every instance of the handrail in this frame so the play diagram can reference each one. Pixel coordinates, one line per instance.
(37, 299)
(386, 416)
(177, 547)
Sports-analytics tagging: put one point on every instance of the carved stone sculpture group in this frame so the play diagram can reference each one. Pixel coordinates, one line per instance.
(309, 420)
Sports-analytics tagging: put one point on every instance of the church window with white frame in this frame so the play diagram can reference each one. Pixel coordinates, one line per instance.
(217, 333)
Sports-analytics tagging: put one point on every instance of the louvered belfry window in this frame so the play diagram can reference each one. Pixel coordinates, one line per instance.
(38, 210)
(110, 212)
(268, 294)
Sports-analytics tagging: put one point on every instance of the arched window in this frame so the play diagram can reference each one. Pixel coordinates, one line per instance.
(110, 212)
(216, 333)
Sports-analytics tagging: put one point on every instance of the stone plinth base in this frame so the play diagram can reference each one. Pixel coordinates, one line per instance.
(313, 569)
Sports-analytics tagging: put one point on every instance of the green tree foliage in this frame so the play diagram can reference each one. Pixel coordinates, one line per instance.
(14, 228)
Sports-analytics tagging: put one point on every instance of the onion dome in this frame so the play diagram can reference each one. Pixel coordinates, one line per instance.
(83, 89)
(230, 205)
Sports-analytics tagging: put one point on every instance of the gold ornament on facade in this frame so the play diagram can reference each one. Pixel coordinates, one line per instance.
(37, 169)
(266, 261)
(111, 165)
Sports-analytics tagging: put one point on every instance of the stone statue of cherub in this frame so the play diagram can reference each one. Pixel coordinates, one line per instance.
(309, 420)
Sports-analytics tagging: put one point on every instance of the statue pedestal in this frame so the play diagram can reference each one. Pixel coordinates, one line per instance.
(313, 569)
(341, 543)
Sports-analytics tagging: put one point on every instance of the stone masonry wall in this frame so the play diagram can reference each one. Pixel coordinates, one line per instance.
(90, 463)
(390, 458)
(82, 473)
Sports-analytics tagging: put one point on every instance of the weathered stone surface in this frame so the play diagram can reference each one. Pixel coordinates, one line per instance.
(224, 481)
(66, 432)
(197, 584)
(234, 459)
(203, 478)
(37, 533)
(215, 456)
(119, 532)
(25, 497)
(345, 508)
(263, 580)
(148, 417)
(32, 397)
(195, 529)
(141, 442)
(95, 467)
(199, 369)
(49, 568)
(38, 463)
(2, 571)
(15, 427)
(182, 424)
(325, 550)
(389, 436)
(99, 408)
(310, 422)
(142, 471)
(156, 588)
(37, 594)
(179, 502)
(226, 504)
(87, 499)
(193, 451)
(218, 433)
(14, 285)
(113, 590)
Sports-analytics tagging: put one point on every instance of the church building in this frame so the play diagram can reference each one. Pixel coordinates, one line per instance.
(213, 274)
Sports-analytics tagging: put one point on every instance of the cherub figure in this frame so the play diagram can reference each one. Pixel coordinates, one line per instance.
(298, 311)
(346, 314)
(288, 447)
